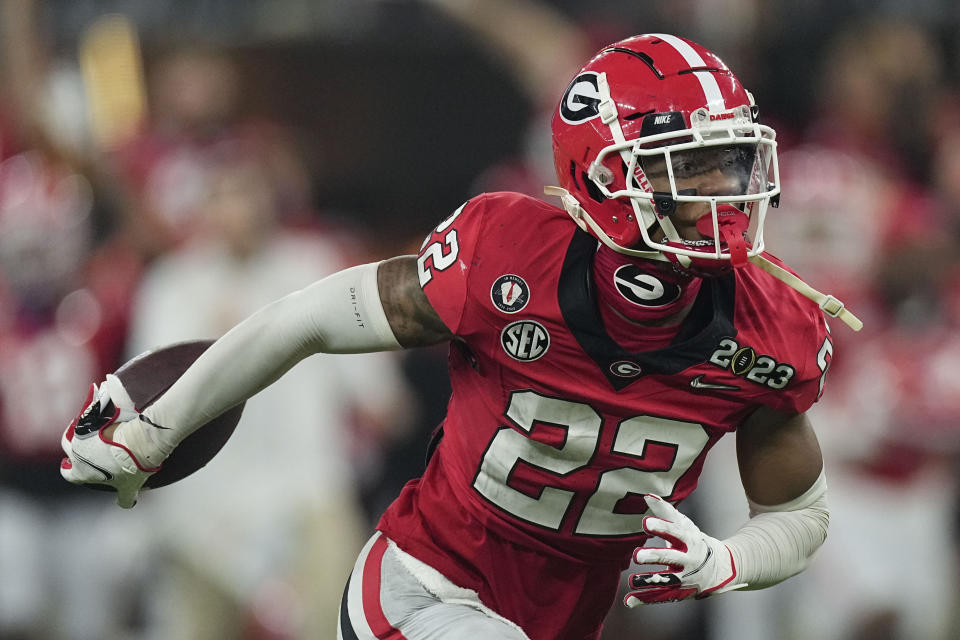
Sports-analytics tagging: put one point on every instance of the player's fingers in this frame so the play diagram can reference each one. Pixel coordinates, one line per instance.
(114, 391)
(656, 595)
(659, 555)
(70, 472)
(648, 579)
(652, 595)
(85, 471)
(66, 469)
(128, 491)
(670, 531)
(65, 443)
(663, 509)
(126, 498)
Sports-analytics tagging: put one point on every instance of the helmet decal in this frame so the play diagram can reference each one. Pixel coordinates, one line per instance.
(581, 100)
(708, 82)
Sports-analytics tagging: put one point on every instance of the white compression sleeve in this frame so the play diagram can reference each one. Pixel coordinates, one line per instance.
(340, 314)
(777, 541)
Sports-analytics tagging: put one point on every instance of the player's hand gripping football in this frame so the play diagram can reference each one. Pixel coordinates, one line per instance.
(98, 455)
(697, 565)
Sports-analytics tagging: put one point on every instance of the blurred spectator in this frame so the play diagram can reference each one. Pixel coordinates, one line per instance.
(259, 550)
(890, 441)
(878, 89)
(196, 118)
(541, 48)
(62, 321)
(856, 213)
(882, 99)
(64, 291)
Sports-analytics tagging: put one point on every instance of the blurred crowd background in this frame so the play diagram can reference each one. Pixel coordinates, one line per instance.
(168, 167)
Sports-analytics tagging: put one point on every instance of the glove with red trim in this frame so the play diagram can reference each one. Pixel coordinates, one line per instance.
(698, 565)
(94, 458)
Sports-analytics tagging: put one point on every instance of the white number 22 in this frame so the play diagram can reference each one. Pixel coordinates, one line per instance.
(635, 438)
(439, 258)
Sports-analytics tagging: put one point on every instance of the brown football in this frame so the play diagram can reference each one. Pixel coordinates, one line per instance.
(146, 377)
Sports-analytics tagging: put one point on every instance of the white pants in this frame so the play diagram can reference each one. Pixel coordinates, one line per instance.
(392, 596)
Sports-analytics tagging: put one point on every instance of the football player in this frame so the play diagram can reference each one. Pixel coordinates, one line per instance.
(594, 363)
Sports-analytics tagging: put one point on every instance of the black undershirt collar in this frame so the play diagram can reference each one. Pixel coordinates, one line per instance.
(710, 319)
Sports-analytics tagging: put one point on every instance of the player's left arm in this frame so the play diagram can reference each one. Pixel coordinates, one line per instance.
(781, 468)
(778, 455)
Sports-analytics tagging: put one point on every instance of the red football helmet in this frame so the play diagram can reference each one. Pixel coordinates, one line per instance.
(644, 114)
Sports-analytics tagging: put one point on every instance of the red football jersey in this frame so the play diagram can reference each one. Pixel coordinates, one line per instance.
(554, 432)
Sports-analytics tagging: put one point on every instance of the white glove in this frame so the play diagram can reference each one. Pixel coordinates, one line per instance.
(92, 457)
(698, 565)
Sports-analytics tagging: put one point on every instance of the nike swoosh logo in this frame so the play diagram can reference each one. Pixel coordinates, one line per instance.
(702, 564)
(698, 383)
(151, 422)
(106, 474)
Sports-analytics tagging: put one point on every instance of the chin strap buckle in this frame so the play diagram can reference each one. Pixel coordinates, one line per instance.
(831, 306)
(827, 303)
(570, 204)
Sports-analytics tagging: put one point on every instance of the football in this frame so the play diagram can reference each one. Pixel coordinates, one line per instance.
(146, 377)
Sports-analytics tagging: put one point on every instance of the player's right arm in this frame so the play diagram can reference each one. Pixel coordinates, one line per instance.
(412, 318)
(372, 307)
(346, 312)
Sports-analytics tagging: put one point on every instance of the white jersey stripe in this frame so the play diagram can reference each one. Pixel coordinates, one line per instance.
(711, 90)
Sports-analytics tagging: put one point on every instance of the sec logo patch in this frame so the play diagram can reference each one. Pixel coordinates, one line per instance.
(525, 340)
(510, 293)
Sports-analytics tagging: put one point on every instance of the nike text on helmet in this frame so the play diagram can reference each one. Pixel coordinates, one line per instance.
(645, 113)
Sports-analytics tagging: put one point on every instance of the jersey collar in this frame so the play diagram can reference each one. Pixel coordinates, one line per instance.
(710, 320)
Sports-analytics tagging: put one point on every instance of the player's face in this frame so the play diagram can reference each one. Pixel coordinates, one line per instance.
(712, 171)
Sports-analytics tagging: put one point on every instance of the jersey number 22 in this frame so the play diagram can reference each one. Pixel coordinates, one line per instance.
(582, 425)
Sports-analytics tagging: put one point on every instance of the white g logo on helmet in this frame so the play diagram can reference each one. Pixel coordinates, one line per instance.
(581, 101)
